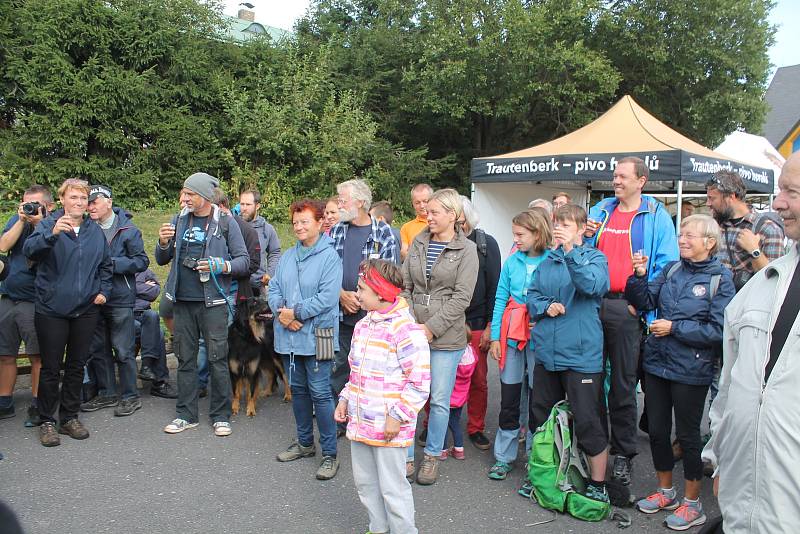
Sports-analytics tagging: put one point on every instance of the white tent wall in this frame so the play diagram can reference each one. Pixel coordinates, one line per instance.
(498, 202)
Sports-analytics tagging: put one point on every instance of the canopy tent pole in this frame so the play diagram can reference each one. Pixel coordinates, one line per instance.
(678, 208)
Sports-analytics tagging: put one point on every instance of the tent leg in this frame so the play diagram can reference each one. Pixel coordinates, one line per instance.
(678, 208)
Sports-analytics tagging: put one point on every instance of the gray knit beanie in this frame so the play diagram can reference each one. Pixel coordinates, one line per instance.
(203, 184)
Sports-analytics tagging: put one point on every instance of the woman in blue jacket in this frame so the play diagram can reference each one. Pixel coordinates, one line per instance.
(689, 297)
(73, 278)
(304, 295)
(564, 303)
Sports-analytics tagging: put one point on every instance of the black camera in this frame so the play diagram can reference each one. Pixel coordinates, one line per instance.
(33, 209)
(190, 263)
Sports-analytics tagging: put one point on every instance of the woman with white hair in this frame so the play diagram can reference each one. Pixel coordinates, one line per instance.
(690, 296)
(439, 277)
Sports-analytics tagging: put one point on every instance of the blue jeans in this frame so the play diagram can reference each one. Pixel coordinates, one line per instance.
(310, 381)
(512, 378)
(115, 334)
(147, 324)
(454, 425)
(443, 377)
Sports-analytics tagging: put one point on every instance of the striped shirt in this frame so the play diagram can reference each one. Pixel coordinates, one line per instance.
(435, 249)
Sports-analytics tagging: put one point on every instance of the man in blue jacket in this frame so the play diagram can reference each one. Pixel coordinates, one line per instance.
(115, 329)
(207, 250)
(627, 223)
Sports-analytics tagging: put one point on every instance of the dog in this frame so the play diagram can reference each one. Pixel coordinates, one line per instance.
(251, 355)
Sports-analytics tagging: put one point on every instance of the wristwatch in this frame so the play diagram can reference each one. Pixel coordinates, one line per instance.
(755, 254)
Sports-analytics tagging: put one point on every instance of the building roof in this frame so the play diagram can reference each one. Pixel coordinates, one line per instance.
(783, 99)
(241, 30)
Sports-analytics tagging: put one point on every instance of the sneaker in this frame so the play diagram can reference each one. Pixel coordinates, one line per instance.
(410, 471)
(34, 419)
(179, 425)
(526, 489)
(48, 435)
(457, 453)
(422, 438)
(480, 441)
(127, 407)
(656, 502)
(687, 515)
(98, 403)
(595, 493)
(297, 451)
(328, 468)
(202, 392)
(145, 373)
(222, 428)
(428, 470)
(499, 471)
(74, 429)
(163, 390)
(622, 470)
(443, 455)
(7, 412)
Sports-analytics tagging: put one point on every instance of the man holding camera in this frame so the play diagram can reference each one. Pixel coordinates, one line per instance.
(17, 297)
(115, 327)
(206, 249)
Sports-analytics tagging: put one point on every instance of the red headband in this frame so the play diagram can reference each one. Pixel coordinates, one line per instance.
(380, 285)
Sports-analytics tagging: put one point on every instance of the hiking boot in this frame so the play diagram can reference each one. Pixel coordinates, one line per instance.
(422, 438)
(499, 471)
(179, 425)
(7, 412)
(480, 441)
(74, 429)
(48, 435)
(410, 471)
(127, 407)
(428, 470)
(687, 515)
(297, 451)
(222, 429)
(163, 390)
(145, 373)
(596, 493)
(622, 470)
(98, 403)
(328, 468)
(34, 419)
(677, 450)
(658, 501)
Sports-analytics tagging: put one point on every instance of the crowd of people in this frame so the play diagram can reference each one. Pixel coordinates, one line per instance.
(375, 325)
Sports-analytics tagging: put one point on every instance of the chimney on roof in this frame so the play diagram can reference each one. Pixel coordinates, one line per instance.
(246, 14)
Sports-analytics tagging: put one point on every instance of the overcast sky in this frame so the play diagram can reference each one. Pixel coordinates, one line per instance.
(785, 15)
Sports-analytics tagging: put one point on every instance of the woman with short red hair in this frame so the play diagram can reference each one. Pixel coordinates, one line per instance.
(304, 296)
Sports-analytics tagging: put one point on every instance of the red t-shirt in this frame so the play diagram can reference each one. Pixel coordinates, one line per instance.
(615, 243)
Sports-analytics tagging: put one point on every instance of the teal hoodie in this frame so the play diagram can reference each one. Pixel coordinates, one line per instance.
(513, 276)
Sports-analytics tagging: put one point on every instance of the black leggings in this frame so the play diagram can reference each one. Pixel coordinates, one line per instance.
(664, 396)
(56, 335)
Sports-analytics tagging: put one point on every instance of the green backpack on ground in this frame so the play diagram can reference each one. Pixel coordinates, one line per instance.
(558, 469)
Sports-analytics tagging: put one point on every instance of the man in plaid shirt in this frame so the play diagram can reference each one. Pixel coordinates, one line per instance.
(749, 240)
(356, 237)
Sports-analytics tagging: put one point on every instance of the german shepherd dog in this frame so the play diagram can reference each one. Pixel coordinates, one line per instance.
(251, 355)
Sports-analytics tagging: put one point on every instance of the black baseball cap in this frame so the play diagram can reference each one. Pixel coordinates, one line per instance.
(99, 190)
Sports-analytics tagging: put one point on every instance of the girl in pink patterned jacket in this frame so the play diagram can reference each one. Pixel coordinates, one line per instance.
(389, 383)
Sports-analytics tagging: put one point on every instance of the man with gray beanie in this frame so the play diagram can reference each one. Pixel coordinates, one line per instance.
(206, 248)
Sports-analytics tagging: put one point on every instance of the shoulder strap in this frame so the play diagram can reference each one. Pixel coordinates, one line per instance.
(714, 285)
(480, 240)
(673, 269)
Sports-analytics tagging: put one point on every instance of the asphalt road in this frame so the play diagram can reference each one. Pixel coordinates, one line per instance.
(131, 477)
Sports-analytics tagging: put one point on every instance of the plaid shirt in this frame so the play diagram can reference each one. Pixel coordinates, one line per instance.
(771, 242)
(380, 241)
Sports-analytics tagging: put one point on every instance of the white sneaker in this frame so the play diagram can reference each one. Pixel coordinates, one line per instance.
(222, 428)
(179, 425)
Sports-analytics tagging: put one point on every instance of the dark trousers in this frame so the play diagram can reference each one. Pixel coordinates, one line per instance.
(454, 426)
(115, 342)
(664, 397)
(585, 394)
(55, 336)
(194, 320)
(151, 342)
(622, 336)
(341, 366)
